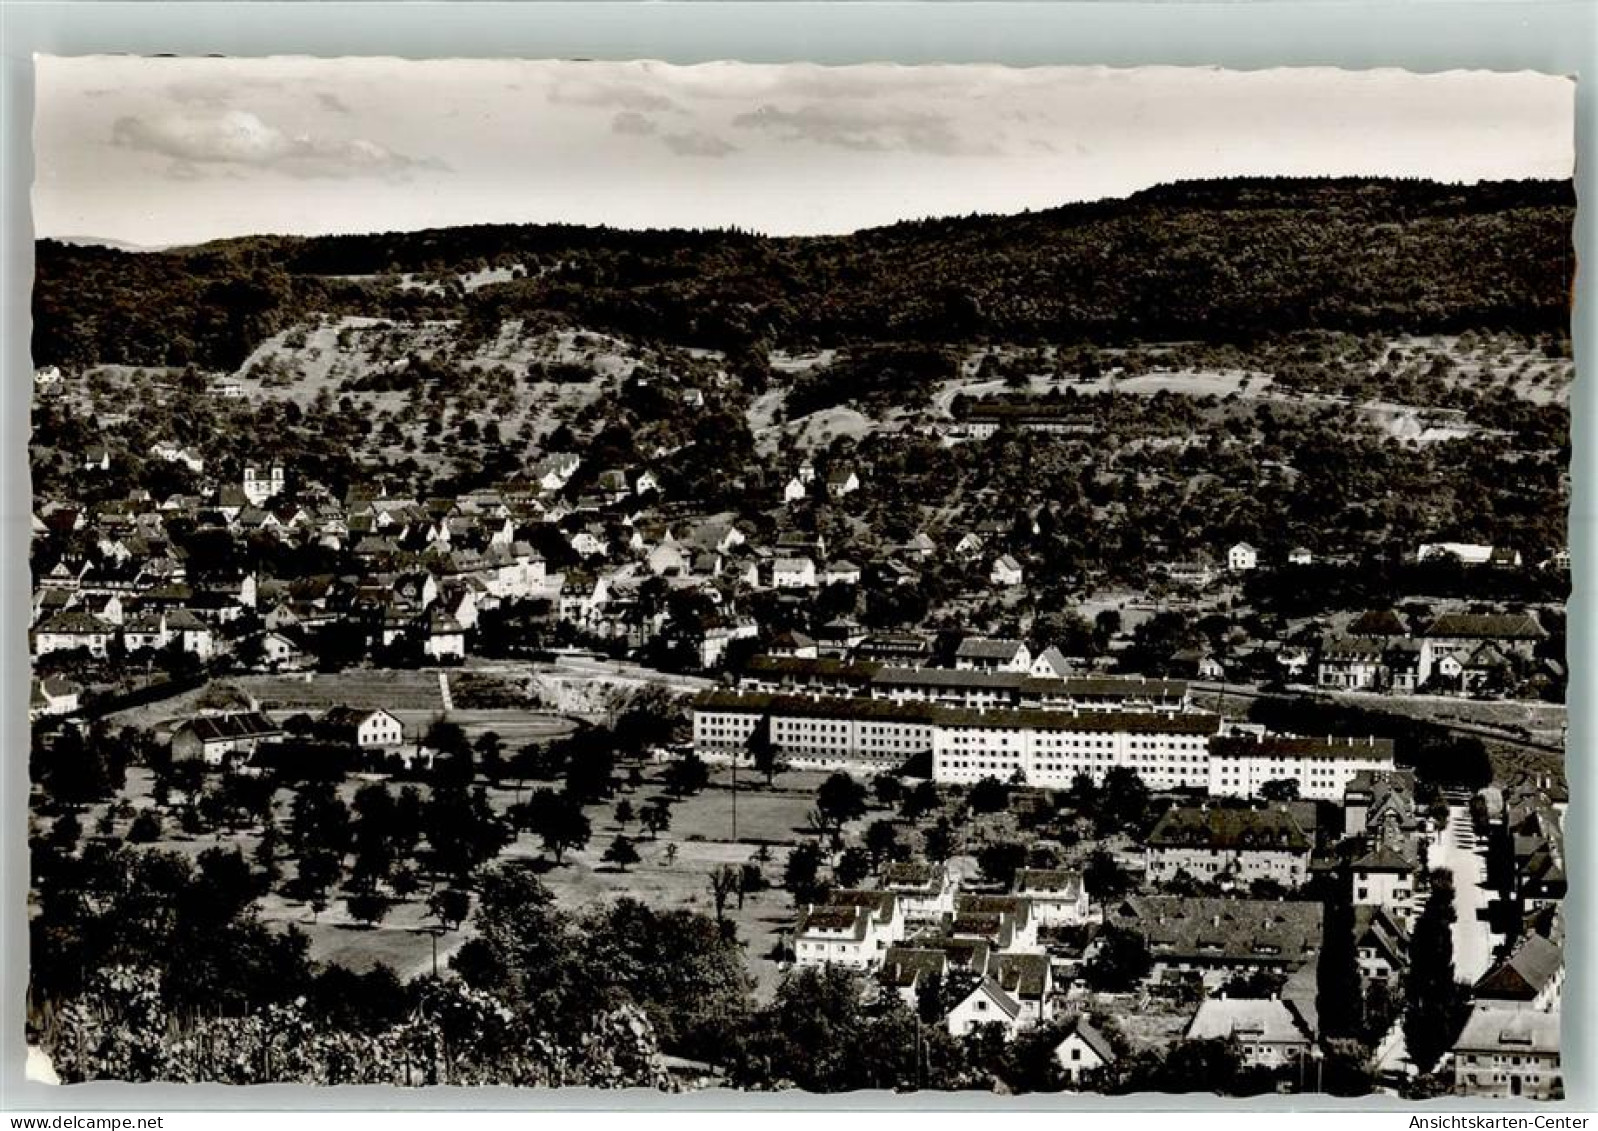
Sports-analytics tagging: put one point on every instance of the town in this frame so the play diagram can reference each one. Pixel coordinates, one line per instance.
(1130, 718)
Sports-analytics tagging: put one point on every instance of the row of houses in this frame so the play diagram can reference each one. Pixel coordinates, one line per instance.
(1455, 651)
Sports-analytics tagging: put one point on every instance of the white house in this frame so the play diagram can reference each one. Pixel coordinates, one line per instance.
(1082, 1050)
(793, 491)
(793, 573)
(446, 639)
(1058, 897)
(988, 1004)
(1006, 571)
(368, 728)
(854, 929)
(1267, 1031)
(1242, 557)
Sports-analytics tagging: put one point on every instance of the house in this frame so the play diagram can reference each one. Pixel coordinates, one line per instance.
(1212, 843)
(969, 546)
(1467, 553)
(446, 639)
(854, 929)
(281, 652)
(793, 573)
(793, 490)
(1269, 1034)
(982, 654)
(925, 891)
(1028, 979)
(1530, 978)
(53, 696)
(1381, 946)
(988, 1004)
(907, 969)
(96, 457)
(1050, 664)
(366, 728)
(1509, 1053)
(1082, 1050)
(68, 631)
(1005, 921)
(1242, 557)
(1058, 896)
(1219, 936)
(192, 634)
(1006, 571)
(792, 645)
(841, 572)
(841, 482)
(212, 738)
(1300, 556)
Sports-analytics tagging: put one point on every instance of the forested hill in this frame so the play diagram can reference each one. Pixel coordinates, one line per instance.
(1226, 259)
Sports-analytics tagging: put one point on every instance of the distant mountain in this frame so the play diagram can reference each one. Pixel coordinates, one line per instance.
(1221, 260)
(107, 242)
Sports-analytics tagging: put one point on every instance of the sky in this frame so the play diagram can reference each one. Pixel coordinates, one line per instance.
(156, 152)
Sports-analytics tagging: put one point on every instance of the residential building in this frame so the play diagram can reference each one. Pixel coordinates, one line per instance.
(1268, 1033)
(1228, 845)
(214, 738)
(1507, 1053)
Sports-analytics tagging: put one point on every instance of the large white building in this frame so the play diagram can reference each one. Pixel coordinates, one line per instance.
(1168, 750)
(1323, 767)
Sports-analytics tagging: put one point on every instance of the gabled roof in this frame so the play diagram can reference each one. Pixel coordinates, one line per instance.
(221, 728)
(1486, 626)
(1048, 881)
(1378, 622)
(988, 648)
(1084, 1031)
(1524, 974)
(1496, 1029)
(998, 996)
(1248, 1019)
(1229, 829)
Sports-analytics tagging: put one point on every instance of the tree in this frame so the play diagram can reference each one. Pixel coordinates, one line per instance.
(762, 750)
(1120, 960)
(751, 881)
(920, 801)
(657, 817)
(557, 821)
(1432, 1016)
(882, 840)
(624, 812)
(989, 795)
(1339, 988)
(449, 906)
(1001, 860)
(723, 882)
(367, 907)
(1279, 789)
(800, 873)
(1123, 802)
(852, 867)
(940, 844)
(840, 799)
(887, 789)
(621, 853)
(317, 872)
(687, 776)
(1104, 876)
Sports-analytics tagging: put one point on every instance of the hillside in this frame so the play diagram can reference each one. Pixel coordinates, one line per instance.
(1229, 260)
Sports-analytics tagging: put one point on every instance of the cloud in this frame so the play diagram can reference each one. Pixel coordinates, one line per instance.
(865, 128)
(698, 144)
(331, 101)
(607, 95)
(632, 123)
(234, 138)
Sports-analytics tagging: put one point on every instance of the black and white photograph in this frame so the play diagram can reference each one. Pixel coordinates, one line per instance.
(788, 578)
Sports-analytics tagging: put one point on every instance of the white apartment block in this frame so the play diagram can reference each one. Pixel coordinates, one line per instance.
(1323, 767)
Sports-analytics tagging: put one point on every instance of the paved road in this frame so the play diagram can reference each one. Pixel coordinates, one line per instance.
(1457, 851)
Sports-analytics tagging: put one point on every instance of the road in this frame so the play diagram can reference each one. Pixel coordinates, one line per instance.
(1456, 850)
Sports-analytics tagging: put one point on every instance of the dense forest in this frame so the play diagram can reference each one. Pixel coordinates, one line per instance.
(1227, 260)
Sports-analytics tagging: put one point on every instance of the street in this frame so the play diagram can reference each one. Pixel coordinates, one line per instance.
(1456, 850)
